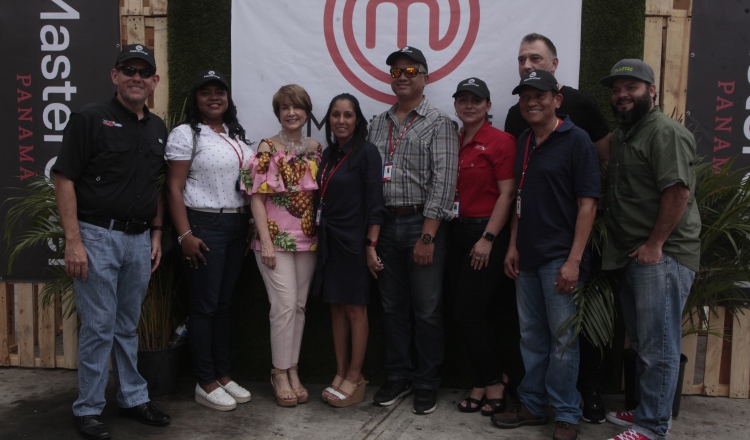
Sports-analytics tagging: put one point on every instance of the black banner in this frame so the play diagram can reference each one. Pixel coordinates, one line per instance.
(718, 94)
(57, 57)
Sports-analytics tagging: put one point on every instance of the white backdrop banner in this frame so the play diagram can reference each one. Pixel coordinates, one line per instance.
(334, 46)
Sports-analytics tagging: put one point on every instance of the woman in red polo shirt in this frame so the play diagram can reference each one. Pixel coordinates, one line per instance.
(484, 194)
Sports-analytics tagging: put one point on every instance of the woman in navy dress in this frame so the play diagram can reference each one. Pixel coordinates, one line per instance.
(350, 213)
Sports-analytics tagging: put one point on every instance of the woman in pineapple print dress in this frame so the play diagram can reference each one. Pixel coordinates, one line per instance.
(281, 182)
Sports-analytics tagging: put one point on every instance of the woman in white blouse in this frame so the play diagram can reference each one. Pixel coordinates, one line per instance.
(205, 155)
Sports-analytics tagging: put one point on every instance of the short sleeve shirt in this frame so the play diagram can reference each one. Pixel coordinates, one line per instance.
(114, 159)
(486, 160)
(645, 159)
(583, 111)
(215, 170)
(559, 171)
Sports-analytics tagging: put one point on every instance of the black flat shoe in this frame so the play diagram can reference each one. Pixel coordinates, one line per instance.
(468, 405)
(90, 427)
(147, 414)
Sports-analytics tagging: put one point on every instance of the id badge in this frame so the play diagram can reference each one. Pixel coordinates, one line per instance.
(456, 207)
(518, 206)
(318, 213)
(387, 170)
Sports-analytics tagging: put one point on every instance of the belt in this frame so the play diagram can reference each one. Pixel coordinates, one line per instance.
(221, 210)
(128, 227)
(473, 219)
(399, 211)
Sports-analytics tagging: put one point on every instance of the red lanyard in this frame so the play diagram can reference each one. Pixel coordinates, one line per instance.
(527, 156)
(324, 182)
(391, 145)
(242, 152)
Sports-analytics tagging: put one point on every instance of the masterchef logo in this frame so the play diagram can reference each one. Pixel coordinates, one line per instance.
(360, 35)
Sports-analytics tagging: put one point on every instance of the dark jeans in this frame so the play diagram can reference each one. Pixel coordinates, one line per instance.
(211, 288)
(405, 288)
(473, 292)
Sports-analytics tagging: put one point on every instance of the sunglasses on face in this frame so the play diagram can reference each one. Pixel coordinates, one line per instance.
(409, 72)
(131, 71)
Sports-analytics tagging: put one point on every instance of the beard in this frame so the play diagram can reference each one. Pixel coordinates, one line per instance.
(641, 106)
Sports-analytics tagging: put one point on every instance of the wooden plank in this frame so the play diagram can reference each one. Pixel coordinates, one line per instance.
(70, 341)
(46, 330)
(714, 345)
(159, 7)
(26, 310)
(136, 30)
(689, 349)
(682, 4)
(659, 7)
(653, 47)
(676, 58)
(161, 94)
(6, 293)
(740, 377)
(132, 7)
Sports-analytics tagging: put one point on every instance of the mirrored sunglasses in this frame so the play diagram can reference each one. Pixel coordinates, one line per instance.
(409, 72)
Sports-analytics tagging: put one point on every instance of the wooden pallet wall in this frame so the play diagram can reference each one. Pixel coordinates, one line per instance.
(667, 50)
(29, 333)
(145, 22)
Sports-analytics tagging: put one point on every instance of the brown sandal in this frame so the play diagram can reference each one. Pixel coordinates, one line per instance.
(282, 396)
(356, 393)
(335, 386)
(300, 389)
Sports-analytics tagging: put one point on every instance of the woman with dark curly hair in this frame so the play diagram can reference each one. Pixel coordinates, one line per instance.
(350, 212)
(206, 153)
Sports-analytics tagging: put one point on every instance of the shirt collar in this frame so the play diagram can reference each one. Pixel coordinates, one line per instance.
(421, 109)
(647, 117)
(481, 136)
(130, 114)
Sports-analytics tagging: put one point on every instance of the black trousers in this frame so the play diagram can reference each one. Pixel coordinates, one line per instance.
(473, 293)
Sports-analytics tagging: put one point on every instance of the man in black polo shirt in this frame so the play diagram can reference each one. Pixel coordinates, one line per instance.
(557, 173)
(538, 52)
(105, 184)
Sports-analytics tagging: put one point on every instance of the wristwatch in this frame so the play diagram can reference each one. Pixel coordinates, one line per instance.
(427, 238)
(488, 236)
(370, 243)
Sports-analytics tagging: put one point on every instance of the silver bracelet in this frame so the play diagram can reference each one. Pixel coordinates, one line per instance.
(179, 239)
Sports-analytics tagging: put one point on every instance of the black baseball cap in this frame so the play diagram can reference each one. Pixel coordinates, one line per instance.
(475, 86)
(409, 52)
(139, 51)
(205, 76)
(539, 79)
(629, 68)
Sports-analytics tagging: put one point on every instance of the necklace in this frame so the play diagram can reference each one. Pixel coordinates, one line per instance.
(296, 147)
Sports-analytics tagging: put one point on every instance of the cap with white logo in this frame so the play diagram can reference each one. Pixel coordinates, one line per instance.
(475, 86)
(139, 51)
(205, 76)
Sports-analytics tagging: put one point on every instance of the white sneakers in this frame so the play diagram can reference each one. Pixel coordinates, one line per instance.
(240, 394)
(217, 399)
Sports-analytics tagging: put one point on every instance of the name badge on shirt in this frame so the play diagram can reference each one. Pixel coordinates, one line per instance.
(318, 213)
(456, 207)
(518, 206)
(387, 170)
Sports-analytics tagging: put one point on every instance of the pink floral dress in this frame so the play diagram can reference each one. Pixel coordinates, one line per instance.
(289, 179)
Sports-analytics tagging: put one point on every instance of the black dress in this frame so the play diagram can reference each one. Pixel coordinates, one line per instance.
(352, 201)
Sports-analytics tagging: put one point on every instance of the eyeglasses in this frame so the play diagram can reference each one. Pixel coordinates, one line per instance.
(131, 71)
(409, 72)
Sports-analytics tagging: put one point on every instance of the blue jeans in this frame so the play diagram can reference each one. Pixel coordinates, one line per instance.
(211, 287)
(551, 369)
(653, 296)
(407, 287)
(108, 304)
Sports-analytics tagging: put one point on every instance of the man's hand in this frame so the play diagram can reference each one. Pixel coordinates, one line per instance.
(155, 250)
(567, 277)
(647, 254)
(423, 252)
(511, 263)
(76, 259)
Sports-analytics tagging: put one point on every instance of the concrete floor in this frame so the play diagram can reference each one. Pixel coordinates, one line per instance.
(36, 404)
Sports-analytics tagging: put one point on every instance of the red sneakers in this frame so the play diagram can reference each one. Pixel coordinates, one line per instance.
(629, 435)
(623, 418)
